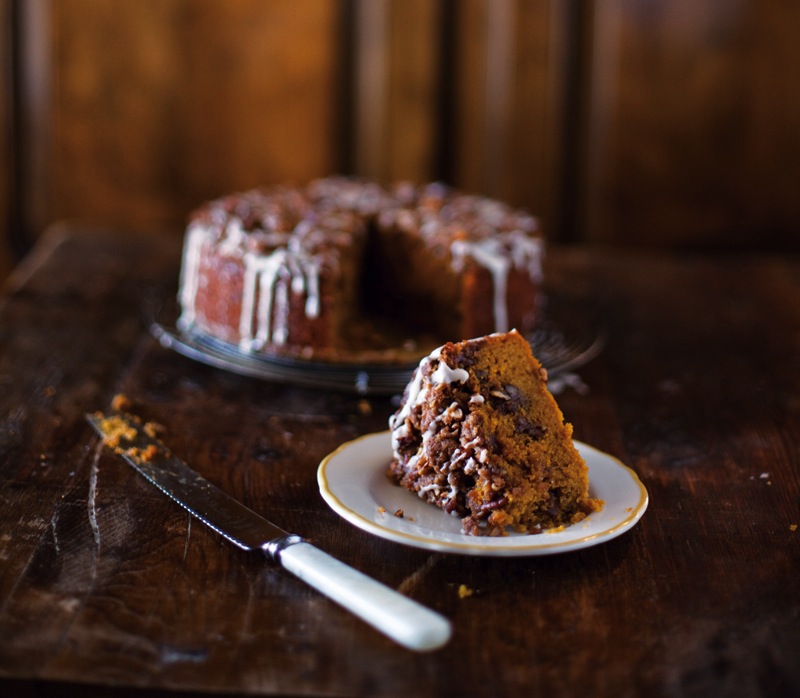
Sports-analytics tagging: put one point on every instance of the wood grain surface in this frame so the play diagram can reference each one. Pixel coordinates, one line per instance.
(107, 587)
(693, 114)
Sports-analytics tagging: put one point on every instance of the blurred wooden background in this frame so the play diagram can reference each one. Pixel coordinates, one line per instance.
(667, 123)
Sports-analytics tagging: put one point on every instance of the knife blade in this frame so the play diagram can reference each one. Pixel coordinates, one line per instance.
(402, 619)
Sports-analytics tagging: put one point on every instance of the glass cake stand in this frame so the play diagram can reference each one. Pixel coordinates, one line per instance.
(559, 351)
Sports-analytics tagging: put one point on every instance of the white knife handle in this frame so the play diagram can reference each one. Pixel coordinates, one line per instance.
(395, 615)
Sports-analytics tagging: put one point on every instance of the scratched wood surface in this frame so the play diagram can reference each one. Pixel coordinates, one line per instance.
(106, 587)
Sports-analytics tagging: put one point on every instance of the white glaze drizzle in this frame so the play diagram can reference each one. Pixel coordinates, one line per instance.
(280, 311)
(527, 253)
(447, 375)
(265, 296)
(497, 255)
(190, 274)
(234, 240)
(489, 254)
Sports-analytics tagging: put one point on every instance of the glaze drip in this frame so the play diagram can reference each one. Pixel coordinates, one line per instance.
(268, 280)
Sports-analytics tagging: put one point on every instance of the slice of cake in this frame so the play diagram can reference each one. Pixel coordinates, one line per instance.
(479, 435)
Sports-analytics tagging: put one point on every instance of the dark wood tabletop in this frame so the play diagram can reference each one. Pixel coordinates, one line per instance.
(109, 588)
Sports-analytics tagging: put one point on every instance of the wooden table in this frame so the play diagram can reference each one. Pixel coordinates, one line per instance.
(105, 584)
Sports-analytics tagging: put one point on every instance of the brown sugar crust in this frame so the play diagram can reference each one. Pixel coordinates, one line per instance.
(479, 435)
(344, 269)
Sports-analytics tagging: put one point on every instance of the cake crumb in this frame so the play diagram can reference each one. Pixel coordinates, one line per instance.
(381, 509)
(792, 527)
(399, 513)
(121, 403)
(365, 407)
(149, 454)
(153, 429)
(116, 429)
(464, 591)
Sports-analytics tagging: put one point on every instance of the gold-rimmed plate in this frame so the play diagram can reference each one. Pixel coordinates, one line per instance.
(353, 482)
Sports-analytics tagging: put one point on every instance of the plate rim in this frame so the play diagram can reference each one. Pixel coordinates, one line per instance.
(472, 544)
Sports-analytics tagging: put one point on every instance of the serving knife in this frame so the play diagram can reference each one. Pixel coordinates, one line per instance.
(400, 618)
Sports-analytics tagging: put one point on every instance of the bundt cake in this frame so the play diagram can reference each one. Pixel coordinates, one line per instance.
(478, 434)
(343, 264)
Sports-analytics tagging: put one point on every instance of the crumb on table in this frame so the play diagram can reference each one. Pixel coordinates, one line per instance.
(364, 407)
(115, 429)
(120, 431)
(464, 591)
(153, 429)
(121, 403)
(146, 455)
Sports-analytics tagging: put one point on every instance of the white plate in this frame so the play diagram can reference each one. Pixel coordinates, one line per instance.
(354, 483)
